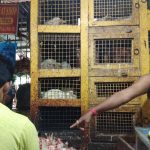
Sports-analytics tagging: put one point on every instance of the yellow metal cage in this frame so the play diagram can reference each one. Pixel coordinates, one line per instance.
(58, 12)
(58, 45)
(108, 12)
(59, 88)
(81, 53)
(109, 125)
(103, 87)
(59, 51)
(114, 51)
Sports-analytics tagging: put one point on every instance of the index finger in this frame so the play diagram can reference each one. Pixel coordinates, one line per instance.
(74, 125)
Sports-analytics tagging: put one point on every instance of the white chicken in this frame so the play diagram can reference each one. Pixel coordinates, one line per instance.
(65, 65)
(54, 94)
(70, 95)
(50, 64)
(58, 94)
(55, 21)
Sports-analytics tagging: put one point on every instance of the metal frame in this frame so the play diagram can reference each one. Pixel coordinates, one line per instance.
(45, 73)
(56, 12)
(115, 69)
(112, 115)
(93, 99)
(88, 32)
(134, 20)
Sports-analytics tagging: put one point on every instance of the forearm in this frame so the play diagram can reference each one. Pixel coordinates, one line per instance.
(112, 102)
(137, 89)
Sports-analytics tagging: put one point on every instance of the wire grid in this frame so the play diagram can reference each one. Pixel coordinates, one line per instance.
(109, 10)
(59, 51)
(115, 123)
(59, 88)
(57, 118)
(102, 146)
(59, 12)
(113, 51)
(106, 89)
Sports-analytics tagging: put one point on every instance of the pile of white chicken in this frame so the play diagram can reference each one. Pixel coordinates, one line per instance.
(52, 64)
(53, 143)
(58, 94)
(55, 21)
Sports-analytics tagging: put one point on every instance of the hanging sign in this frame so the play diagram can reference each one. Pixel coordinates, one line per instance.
(8, 18)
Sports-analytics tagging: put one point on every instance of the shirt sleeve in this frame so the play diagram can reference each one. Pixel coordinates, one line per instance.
(29, 139)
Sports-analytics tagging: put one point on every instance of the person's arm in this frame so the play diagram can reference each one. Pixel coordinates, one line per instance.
(140, 87)
(29, 139)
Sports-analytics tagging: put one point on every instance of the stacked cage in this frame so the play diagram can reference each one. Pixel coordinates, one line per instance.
(56, 73)
(114, 64)
(81, 53)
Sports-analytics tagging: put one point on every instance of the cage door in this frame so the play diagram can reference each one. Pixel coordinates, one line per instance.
(114, 51)
(103, 87)
(116, 12)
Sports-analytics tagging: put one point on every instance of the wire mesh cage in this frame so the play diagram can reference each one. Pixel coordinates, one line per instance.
(57, 118)
(114, 123)
(113, 51)
(106, 89)
(108, 10)
(103, 87)
(59, 88)
(56, 121)
(59, 51)
(59, 12)
(102, 146)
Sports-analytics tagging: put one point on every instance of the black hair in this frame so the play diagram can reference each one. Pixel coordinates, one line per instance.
(5, 75)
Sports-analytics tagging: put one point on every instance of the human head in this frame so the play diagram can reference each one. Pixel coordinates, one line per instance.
(7, 65)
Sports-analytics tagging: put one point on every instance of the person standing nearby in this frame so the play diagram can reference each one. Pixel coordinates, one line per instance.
(17, 131)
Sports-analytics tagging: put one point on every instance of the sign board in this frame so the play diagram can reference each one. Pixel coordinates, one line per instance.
(8, 18)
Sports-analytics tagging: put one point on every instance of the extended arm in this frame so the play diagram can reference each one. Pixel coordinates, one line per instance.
(140, 87)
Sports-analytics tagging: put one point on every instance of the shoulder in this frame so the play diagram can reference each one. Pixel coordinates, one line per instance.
(29, 136)
(16, 120)
(22, 120)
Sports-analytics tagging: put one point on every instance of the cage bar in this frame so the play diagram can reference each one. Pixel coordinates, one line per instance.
(59, 12)
(59, 88)
(149, 39)
(112, 10)
(102, 146)
(57, 118)
(115, 123)
(106, 89)
(113, 51)
(59, 51)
